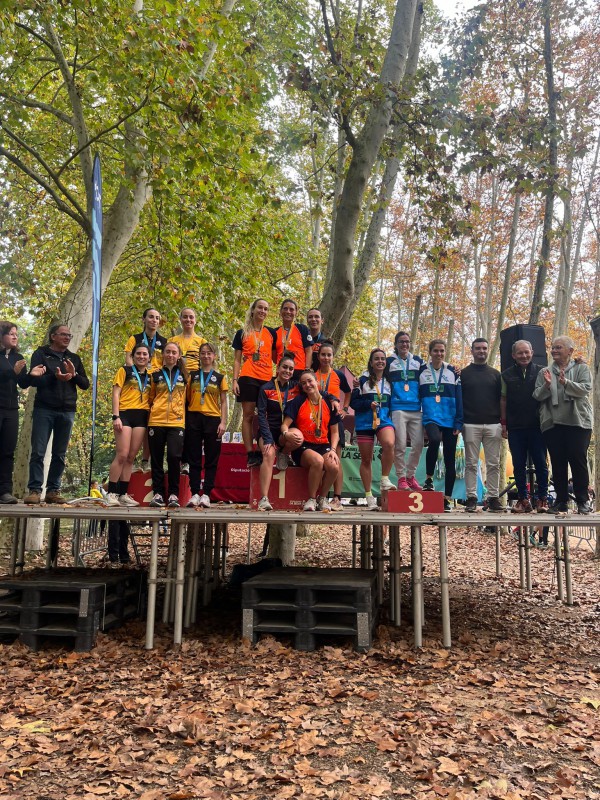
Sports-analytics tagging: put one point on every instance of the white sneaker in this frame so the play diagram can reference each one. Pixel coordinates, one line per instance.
(281, 462)
(145, 465)
(127, 500)
(371, 503)
(157, 501)
(310, 505)
(184, 469)
(205, 501)
(264, 504)
(112, 499)
(385, 484)
(323, 504)
(173, 501)
(194, 501)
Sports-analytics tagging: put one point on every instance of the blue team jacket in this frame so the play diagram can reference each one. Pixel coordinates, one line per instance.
(448, 413)
(361, 403)
(400, 377)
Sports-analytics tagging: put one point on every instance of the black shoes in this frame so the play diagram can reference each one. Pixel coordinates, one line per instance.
(254, 459)
(8, 499)
(494, 504)
(584, 508)
(471, 504)
(428, 485)
(558, 508)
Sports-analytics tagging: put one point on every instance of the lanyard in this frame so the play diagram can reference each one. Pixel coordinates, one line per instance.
(139, 381)
(289, 333)
(204, 386)
(404, 368)
(150, 345)
(324, 385)
(316, 415)
(377, 392)
(171, 383)
(257, 339)
(282, 400)
(437, 379)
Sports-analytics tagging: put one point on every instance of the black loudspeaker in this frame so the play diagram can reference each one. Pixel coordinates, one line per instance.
(532, 333)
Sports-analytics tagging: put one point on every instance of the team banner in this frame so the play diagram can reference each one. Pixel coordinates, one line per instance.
(96, 284)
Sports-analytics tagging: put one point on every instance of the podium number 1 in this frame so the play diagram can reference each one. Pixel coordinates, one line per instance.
(417, 505)
(281, 478)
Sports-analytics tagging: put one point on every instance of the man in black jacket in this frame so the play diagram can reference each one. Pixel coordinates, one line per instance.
(53, 411)
(520, 418)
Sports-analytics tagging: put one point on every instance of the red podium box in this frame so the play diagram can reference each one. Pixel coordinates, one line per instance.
(288, 490)
(402, 501)
(140, 488)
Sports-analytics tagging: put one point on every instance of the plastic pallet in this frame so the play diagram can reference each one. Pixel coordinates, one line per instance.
(311, 604)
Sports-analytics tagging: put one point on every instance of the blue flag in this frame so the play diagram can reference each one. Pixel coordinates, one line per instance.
(96, 284)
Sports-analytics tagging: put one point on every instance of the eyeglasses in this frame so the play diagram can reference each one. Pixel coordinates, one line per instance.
(67, 335)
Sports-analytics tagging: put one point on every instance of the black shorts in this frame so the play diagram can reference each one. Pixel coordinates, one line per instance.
(275, 435)
(248, 389)
(321, 449)
(134, 417)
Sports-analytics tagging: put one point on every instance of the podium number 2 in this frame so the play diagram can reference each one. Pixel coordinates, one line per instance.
(281, 478)
(417, 505)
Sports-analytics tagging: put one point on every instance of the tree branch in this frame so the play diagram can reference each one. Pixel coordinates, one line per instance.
(39, 105)
(80, 220)
(102, 133)
(79, 123)
(46, 166)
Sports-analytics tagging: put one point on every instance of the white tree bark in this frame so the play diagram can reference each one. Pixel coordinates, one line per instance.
(282, 543)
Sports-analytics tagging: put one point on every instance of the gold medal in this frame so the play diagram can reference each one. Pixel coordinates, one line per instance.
(406, 387)
(377, 422)
(437, 398)
(255, 356)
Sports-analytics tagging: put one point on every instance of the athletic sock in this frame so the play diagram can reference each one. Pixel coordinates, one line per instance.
(123, 487)
(368, 494)
(113, 487)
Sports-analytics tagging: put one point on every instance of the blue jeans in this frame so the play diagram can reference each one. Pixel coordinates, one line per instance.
(524, 441)
(47, 421)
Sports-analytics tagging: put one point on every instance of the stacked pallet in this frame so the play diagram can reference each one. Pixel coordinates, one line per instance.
(68, 604)
(311, 604)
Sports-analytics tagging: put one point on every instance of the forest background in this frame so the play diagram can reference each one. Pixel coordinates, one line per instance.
(396, 168)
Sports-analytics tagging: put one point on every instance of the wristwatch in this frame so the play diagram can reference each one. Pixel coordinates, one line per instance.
(346, 409)
(115, 416)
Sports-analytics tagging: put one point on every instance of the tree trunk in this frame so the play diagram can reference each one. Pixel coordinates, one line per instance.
(507, 274)
(366, 147)
(282, 542)
(540, 282)
(595, 325)
(414, 327)
(450, 341)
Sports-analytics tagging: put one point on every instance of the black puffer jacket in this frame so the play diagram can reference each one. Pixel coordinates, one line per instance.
(52, 393)
(9, 380)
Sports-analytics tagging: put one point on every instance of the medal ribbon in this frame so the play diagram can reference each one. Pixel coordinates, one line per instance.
(285, 338)
(150, 345)
(316, 416)
(282, 400)
(324, 386)
(437, 379)
(171, 383)
(139, 381)
(257, 340)
(204, 386)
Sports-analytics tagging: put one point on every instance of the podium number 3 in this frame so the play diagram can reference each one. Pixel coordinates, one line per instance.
(417, 505)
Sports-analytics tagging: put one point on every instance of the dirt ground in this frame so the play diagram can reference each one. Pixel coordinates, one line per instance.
(512, 710)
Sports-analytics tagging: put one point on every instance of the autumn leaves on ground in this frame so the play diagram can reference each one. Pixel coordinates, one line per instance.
(511, 711)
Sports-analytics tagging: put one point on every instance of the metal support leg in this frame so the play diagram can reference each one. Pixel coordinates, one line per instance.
(207, 565)
(191, 577)
(14, 546)
(567, 558)
(445, 587)
(167, 615)
(521, 558)
(249, 544)
(378, 560)
(417, 584)
(179, 582)
(558, 557)
(498, 571)
(152, 574)
(395, 573)
(354, 546)
(527, 549)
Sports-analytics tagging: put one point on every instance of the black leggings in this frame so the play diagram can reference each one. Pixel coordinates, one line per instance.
(436, 434)
(9, 431)
(568, 446)
(158, 438)
(201, 433)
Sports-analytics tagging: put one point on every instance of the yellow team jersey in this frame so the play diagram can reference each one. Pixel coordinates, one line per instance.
(190, 349)
(167, 399)
(155, 344)
(209, 403)
(135, 391)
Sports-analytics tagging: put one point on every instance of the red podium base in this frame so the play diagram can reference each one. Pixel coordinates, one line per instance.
(288, 490)
(402, 501)
(140, 488)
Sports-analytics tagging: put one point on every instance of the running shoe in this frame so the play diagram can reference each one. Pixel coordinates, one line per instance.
(310, 505)
(428, 485)
(112, 499)
(413, 484)
(371, 503)
(403, 484)
(385, 484)
(173, 501)
(281, 462)
(205, 501)
(264, 505)
(127, 500)
(157, 501)
(194, 501)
